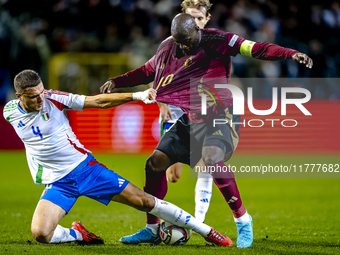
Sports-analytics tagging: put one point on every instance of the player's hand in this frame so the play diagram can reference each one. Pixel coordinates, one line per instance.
(148, 96)
(165, 112)
(107, 87)
(152, 94)
(303, 59)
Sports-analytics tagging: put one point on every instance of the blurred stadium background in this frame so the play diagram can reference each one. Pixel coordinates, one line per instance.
(76, 45)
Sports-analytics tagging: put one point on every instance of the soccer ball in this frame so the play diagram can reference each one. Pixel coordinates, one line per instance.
(173, 235)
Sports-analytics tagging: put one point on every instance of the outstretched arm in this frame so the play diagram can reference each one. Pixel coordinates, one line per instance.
(105, 101)
(303, 59)
(142, 75)
(270, 51)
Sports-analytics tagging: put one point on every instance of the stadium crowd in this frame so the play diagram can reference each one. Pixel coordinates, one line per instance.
(31, 31)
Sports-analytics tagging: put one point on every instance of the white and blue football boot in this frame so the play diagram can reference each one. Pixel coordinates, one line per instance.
(245, 233)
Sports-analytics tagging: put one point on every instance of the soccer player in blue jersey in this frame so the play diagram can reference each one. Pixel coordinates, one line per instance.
(57, 159)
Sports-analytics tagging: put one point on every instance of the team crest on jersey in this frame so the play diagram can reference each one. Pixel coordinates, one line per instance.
(188, 61)
(162, 66)
(45, 116)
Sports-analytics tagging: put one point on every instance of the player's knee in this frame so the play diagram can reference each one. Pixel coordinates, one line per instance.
(41, 235)
(158, 162)
(151, 165)
(212, 154)
(209, 160)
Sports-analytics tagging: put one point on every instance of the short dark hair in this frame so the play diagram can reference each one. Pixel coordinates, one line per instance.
(183, 25)
(25, 79)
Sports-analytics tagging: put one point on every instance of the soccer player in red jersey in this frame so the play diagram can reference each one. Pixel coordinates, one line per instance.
(199, 10)
(190, 60)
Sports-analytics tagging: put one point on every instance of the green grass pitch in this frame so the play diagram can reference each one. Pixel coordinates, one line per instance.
(291, 215)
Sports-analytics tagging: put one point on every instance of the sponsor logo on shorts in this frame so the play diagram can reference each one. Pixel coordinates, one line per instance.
(218, 132)
(47, 187)
(120, 182)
